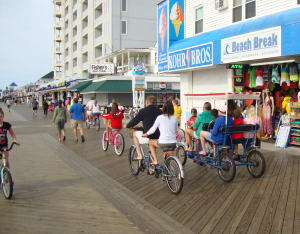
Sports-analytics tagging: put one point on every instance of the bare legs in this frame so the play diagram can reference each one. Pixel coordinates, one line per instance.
(138, 147)
(152, 146)
(188, 134)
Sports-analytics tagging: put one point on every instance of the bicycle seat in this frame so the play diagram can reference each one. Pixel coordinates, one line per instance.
(168, 149)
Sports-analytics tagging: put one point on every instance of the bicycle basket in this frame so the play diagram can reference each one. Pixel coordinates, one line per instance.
(132, 130)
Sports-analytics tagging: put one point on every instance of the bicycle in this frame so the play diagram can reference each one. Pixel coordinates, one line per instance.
(180, 135)
(95, 123)
(117, 140)
(171, 170)
(5, 176)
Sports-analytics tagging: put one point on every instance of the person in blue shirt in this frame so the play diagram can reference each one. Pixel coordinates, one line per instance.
(215, 136)
(77, 118)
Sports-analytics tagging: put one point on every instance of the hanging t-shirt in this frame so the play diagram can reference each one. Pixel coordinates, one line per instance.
(271, 86)
(285, 76)
(275, 76)
(294, 72)
(3, 134)
(267, 74)
(259, 77)
(252, 74)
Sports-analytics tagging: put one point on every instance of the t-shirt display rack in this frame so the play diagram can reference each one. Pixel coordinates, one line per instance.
(295, 123)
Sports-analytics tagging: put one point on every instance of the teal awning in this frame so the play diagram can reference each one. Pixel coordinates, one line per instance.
(80, 86)
(119, 86)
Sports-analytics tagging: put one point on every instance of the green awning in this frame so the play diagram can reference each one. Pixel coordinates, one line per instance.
(162, 91)
(116, 86)
(81, 86)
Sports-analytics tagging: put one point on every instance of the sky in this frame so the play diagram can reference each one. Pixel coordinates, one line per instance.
(26, 41)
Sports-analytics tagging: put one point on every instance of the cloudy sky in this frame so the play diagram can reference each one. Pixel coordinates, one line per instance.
(26, 40)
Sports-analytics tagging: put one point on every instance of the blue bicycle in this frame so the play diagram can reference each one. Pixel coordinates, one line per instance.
(95, 122)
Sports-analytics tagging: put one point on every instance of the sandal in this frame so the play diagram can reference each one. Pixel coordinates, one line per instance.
(236, 157)
(64, 138)
(75, 140)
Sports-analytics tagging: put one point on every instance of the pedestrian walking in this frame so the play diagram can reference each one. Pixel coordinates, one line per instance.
(45, 107)
(8, 103)
(59, 119)
(77, 117)
(35, 105)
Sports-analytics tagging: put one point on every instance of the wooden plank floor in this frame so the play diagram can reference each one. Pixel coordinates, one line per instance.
(206, 204)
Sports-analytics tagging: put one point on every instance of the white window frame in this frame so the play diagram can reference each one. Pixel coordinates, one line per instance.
(156, 84)
(122, 5)
(150, 85)
(243, 11)
(122, 27)
(169, 86)
(195, 15)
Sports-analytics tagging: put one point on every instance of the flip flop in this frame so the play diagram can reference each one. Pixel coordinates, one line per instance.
(64, 138)
(75, 140)
(187, 150)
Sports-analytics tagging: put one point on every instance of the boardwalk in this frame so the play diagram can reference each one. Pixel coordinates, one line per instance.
(79, 187)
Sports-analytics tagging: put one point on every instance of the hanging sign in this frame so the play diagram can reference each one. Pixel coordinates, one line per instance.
(162, 86)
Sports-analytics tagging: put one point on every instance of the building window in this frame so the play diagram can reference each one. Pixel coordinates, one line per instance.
(298, 2)
(67, 66)
(169, 86)
(155, 58)
(124, 27)
(156, 85)
(237, 10)
(124, 5)
(149, 85)
(199, 20)
(250, 9)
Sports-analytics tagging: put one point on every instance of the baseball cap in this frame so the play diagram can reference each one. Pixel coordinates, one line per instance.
(222, 108)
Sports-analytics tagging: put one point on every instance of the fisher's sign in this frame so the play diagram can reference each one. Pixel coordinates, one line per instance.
(102, 68)
(197, 56)
(249, 46)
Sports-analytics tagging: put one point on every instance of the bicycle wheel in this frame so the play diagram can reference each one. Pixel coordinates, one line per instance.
(174, 175)
(258, 163)
(119, 144)
(104, 142)
(87, 124)
(97, 124)
(7, 185)
(227, 173)
(182, 134)
(180, 154)
(133, 162)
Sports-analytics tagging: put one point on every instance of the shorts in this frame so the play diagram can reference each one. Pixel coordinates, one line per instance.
(166, 145)
(76, 123)
(88, 112)
(60, 125)
(238, 141)
(195, 136)
(8, 106)
(96, 114)
(34, 108)
(142, 140)
(115, 129)
(208, 137)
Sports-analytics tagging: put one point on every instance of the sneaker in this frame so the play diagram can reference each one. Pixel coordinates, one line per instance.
(82, 139)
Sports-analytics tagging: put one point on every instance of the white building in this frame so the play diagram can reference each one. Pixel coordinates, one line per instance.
(218, 33)
(86, 30)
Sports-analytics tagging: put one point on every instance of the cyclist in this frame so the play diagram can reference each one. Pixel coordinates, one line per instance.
(148, 115)
(95, 109)
(168, 126)
(115, 117)
(4, 127)
(88, 107)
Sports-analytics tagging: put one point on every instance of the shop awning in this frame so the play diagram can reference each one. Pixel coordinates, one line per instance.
(289, 20)
(109, 86)
(162, 91)
(80, 86)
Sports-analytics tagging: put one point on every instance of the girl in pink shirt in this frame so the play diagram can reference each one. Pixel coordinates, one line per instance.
(251, 118)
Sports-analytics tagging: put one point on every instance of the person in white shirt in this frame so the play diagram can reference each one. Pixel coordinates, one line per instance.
(95, 109)
(120, 107)
(88, 107)
(168, 126)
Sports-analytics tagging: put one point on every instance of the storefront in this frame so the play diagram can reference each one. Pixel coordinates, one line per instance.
(251, 56)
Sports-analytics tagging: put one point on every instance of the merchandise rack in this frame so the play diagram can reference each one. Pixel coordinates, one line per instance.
(296, 116)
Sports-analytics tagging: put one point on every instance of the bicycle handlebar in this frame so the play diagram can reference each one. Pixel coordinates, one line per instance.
(11, 146)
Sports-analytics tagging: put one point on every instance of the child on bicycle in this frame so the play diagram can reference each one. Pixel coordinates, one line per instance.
(115, 117)
(4, 127)
(192, 119)
(238, 137)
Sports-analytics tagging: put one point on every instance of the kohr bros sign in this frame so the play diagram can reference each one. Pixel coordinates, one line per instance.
(251, 46)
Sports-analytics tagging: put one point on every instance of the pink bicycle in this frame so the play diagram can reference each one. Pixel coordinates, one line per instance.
(180, 136)
(117, 140)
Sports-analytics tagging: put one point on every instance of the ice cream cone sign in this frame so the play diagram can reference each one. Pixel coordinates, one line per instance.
(177, 17)
(188, 57)
(162, 28)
